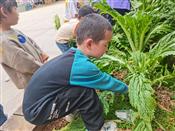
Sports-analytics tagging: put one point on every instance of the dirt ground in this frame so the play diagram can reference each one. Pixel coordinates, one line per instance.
(58, 124)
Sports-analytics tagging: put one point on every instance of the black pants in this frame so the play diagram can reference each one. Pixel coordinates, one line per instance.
(83, 100)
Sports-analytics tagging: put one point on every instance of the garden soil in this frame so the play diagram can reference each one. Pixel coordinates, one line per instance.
(58, 124)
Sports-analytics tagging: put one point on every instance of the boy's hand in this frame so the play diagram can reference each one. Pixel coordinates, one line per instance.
(44, 57)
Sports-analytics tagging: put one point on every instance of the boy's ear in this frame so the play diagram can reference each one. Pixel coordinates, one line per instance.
(89, 43)
(3, 12)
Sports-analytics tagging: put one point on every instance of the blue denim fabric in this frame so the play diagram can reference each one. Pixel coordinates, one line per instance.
(3, 117)
(63, 46)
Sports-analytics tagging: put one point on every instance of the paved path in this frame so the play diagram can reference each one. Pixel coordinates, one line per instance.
(38, 24)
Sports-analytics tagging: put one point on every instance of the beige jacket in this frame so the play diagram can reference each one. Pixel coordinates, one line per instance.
(19, 56)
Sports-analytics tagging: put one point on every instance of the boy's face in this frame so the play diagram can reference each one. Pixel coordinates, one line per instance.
(11, 18)
(101, 47)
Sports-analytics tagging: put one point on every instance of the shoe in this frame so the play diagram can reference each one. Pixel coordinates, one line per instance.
(72, 116)
(69, 118)
(109, 126)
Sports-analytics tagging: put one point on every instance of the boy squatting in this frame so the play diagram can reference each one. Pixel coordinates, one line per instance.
(68, 82)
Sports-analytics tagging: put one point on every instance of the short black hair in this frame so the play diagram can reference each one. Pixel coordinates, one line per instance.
(85, 10)
(7, 6)
(92, 26)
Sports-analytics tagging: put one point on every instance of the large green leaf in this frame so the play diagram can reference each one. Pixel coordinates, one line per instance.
(140, 94)
(165, 47)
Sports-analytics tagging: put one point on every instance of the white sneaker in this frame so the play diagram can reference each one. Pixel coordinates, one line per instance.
(69, 118)
(72, 116)
(109, 126)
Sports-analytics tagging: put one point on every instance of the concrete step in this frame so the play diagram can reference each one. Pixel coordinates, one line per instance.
(17, 123)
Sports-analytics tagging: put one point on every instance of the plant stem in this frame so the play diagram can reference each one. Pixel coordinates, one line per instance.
(159, 125)
(162, 78)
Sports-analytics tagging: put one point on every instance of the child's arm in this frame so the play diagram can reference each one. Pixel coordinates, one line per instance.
(90, 76)
(16, 58)
(35, 45)
(44, 56)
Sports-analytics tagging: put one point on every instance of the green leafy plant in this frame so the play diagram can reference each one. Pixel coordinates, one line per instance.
(160, 9)
(107, 98)
(57, 22)
(142, 57)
